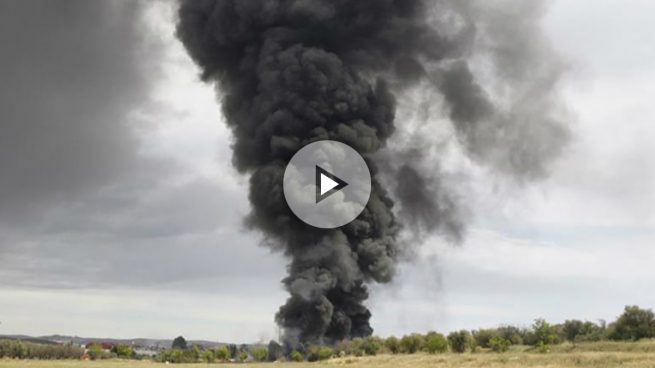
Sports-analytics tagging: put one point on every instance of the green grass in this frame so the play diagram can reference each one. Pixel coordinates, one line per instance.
(592, 355)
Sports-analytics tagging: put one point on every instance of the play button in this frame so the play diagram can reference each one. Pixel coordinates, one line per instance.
(327, 184)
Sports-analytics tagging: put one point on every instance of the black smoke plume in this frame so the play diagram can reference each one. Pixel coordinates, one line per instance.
(291, 72)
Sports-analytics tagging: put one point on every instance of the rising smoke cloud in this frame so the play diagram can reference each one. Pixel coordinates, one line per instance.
(291, 72)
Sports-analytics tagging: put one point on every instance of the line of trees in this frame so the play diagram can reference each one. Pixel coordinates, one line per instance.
(15, 349)
(633, 324)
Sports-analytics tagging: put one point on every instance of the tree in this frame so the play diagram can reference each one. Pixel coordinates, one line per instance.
(511, 333)
(634, 324)
(435, 343)
(392, 344)
(371, 345)
(123, 351)
(572, 328)
(482, 337)
(544, 333)
(243, 356)
(410, 344)
(179, 343)
(296, 356)
(208, 356)
(317, 352)
(222, 353)
(499, 344)
(460, 341)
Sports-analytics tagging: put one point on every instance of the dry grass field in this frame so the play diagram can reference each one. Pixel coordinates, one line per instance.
(592, 355)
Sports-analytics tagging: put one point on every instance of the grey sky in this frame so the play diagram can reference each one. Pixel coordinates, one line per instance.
(120, 214)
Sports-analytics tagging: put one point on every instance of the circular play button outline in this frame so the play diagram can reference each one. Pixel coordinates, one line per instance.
(327, 184)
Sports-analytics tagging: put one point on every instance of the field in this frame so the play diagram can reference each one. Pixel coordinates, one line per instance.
(596, 355)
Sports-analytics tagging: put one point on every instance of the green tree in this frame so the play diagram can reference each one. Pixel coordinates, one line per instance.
(296, 356)
(499, 344)
(511, 333)
(435, 343)
(572, 328)
(208, 356)
(372, 345)
(179, 343)
(460, 341)
(482, 337)
(123, 351)
(544, 333)
(634, 324)
(392, 344)
(222, 353)
(243, 356)
(317, 352)
(260, 354)
(410, 344)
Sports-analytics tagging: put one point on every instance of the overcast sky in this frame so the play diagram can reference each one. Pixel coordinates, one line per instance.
(121, 216)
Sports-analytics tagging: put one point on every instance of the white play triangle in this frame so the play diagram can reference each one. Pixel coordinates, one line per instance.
(327, 184)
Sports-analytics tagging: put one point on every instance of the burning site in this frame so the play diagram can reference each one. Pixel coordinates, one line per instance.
(369, 182)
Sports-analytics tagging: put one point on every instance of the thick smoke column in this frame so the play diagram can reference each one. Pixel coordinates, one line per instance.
(291, 72)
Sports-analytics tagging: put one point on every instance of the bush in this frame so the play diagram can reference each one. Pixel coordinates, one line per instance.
(222, 353)
(410, 344)
(96, 352)
(460, 341)
(510, 333)
(123, 351)
(317, 353)
(371, 345)
(499, 344)
(260, 354)
(544, 333)
(243, 356)
(208, 356)
(392, 345)
(482, 337)
(435, 343)
(296, 356)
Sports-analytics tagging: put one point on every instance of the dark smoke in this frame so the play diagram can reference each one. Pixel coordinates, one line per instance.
(295, 71)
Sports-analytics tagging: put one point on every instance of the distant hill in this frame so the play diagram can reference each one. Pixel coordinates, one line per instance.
(142, 342)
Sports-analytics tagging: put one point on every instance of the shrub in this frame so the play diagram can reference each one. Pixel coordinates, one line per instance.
(410, 344)
(435, 343)
(260, 354)
(222, 353)
(460, 341)
(123, 351)
(544, 333)
(208, 356)
(483, 337)
(510, 333)
(96, 352)
(371, 345)
(296, 356)
(499, 344)
(392, 345)
(316, 353)
(243, 356)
